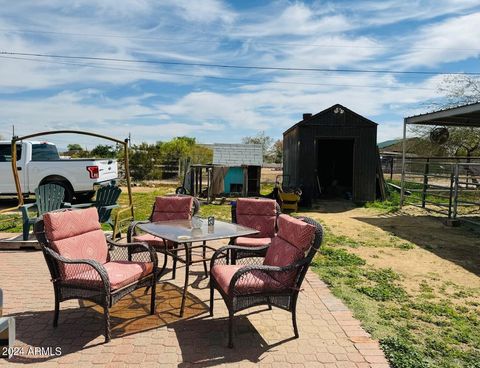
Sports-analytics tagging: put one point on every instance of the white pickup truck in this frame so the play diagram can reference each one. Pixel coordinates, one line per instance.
(39, 163)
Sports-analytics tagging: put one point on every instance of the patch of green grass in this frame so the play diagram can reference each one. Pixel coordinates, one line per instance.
(220, 212)
(414, 330)
(392, 204)
(11, 223)
(402, 353)
(341, 240)
(338, 257)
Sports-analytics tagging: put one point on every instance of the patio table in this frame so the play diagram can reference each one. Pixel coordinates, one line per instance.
(184, 235)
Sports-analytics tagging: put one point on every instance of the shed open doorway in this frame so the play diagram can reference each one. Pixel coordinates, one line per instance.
(335, 167)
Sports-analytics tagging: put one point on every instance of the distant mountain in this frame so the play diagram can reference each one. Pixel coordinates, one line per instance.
(388, 143)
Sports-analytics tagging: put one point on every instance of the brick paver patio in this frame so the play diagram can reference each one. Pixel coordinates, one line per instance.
(329, 335)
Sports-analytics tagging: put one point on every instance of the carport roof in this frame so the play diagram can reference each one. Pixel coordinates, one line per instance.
(465, 115)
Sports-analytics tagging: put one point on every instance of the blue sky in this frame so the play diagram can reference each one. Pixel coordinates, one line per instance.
(157, 101)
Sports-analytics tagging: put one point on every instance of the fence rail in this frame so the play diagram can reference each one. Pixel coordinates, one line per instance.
(451, 188)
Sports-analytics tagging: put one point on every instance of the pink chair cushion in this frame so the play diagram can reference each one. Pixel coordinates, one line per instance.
(280, 254)
(76, 234)
(120, 274)
(296, 232)
(172, 208)
(255, 282)
(259, 214)
(255, 206)
(243, 241)
(154, 241)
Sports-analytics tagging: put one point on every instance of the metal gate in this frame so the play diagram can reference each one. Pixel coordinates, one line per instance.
(448, 188)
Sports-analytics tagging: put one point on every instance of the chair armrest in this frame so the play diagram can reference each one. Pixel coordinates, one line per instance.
(66, 205)
(136, 248)
(110, 207)
(269, 270)
(83, 205)
(95, 265)
(25, 209)
(222, 252)
(131, 229)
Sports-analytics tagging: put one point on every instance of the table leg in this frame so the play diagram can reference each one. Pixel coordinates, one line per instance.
(204, 254)
(187, 271)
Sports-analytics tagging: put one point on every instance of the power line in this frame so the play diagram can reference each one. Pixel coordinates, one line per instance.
(219, 40)
(97, 66)
(229, 66)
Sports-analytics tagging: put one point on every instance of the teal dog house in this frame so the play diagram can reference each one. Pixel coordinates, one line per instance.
(243, 163)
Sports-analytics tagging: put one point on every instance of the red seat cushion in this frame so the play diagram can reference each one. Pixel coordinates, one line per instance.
(153, 240)
(172, 208)
(120, 274)
(254, 282)
(76, 234)
(244, 241)
(258, 214)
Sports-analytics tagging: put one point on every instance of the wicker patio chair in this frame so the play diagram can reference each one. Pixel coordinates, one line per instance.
(171, 207)
(84, 264)
(257, 213)
(273, 280)
(48, 197)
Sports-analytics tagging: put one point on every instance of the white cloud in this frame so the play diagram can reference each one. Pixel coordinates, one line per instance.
(451, 40)
(294, 20)
(157, 106)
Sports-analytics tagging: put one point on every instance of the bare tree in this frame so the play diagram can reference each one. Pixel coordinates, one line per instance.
(459, 90)
(456, 90)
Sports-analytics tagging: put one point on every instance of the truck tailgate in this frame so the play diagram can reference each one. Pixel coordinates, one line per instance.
(107, 170)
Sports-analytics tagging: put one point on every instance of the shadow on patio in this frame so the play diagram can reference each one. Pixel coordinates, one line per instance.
(203, 341)
(78, 327)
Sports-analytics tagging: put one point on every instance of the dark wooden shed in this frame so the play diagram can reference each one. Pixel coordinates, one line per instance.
(332, 154)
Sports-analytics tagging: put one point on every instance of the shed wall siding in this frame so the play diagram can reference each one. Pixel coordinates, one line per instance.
(291, 156)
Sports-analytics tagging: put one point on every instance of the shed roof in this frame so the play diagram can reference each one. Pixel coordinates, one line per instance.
(328, 110)
(464, 115)
(237, 154)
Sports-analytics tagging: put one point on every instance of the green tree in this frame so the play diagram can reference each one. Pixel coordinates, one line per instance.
(177, 148)
(147, 160)
(74, 147)
(104, 151)
(276, 152)
(201, 154)
(144, 161)
(263, 139)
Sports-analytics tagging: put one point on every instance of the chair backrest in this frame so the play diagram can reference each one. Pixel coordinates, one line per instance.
(296, 240)
(49, 197)
(73, 234)
(106, 196)
(257, 213)
(175, 207)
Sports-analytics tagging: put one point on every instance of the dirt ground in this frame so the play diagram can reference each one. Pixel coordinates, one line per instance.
(270, 175)
(411, 242)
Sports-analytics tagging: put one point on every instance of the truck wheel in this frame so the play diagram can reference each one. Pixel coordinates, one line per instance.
(85, 197)
(68, 197)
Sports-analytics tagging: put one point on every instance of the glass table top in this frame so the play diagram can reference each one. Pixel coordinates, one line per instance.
(182, 231)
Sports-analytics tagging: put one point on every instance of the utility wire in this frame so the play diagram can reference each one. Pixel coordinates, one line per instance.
(97, 66)
(229, 66)
(232, 39)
